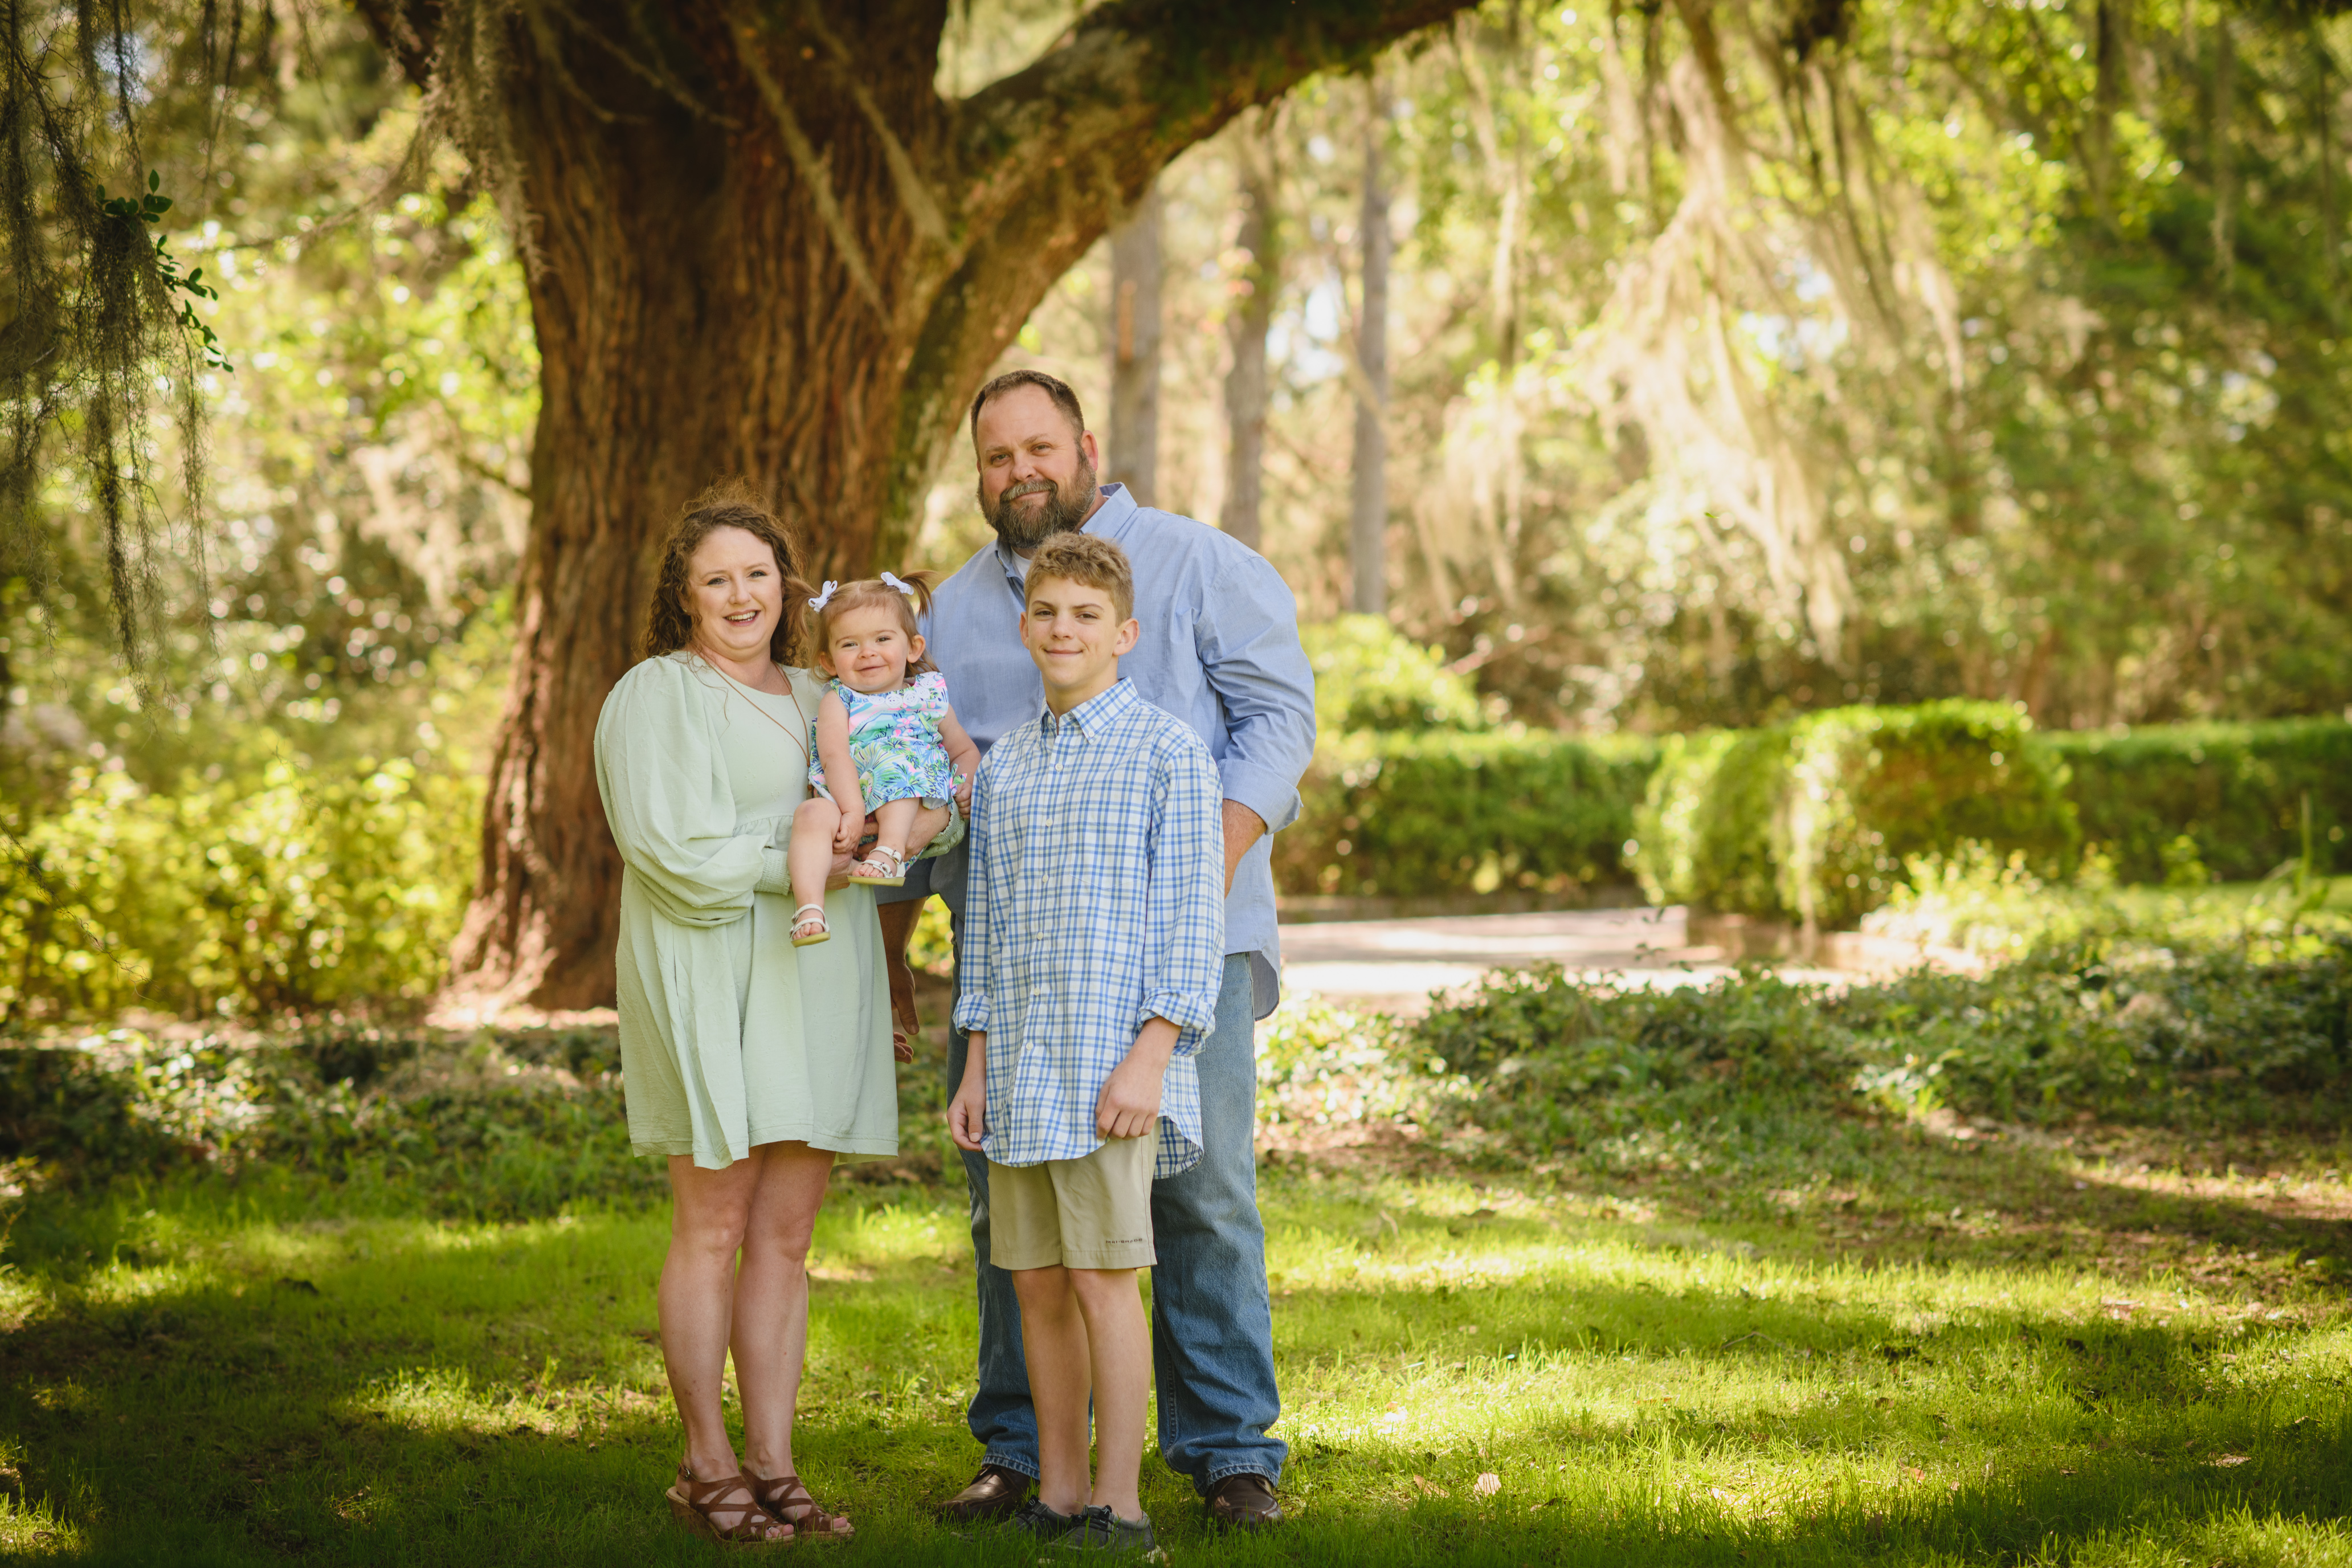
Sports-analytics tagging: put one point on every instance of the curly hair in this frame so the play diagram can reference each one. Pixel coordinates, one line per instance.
(730, 503)
(1090, 561)
(873, 594)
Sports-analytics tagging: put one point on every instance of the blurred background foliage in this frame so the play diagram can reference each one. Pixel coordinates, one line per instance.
(1746, 363)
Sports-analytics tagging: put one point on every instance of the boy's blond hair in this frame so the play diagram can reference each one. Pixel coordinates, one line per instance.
(1090, 562)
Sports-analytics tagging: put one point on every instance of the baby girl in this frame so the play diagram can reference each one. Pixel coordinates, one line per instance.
(885, 740)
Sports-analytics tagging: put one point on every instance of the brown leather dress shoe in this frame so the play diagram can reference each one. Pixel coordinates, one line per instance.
(995, 1493)
(1244, 1501)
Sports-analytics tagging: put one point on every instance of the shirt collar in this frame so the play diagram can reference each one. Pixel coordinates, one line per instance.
(1096, 714)
(1111, 520)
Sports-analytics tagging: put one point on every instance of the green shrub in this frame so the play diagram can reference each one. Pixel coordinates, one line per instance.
(1866, 789)
(1370, 677)
(1416, 816)
(1816, 820)
(288, 891)
(2234, 791)
(1703, 835)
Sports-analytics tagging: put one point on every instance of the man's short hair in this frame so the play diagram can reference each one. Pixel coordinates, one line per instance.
(1090, 562)
(1058, 390)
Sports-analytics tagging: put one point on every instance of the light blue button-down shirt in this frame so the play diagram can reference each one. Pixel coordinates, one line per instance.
(1218, 649)
(1094, 904)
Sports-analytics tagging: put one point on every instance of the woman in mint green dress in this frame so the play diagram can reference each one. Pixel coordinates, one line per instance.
(750, 1065)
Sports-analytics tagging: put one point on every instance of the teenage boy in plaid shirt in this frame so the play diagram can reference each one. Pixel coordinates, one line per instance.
(1094, 946)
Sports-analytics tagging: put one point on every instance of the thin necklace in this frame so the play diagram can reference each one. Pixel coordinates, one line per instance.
(799, 743)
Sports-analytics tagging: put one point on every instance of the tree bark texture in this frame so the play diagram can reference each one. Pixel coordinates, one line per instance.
(764, 245)
(1368, 528)
(1136, 319)
(1246, 324)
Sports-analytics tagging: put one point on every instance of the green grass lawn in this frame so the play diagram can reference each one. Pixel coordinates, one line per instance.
(2105, 1348)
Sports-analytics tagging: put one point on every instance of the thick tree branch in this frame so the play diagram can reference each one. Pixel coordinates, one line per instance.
(1138, 81)
(914, 191)
(806, 164)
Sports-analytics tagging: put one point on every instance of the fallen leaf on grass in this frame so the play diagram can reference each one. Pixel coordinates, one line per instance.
(1488, 1484)
(1915, 1472)
(2226, 1460)
(1432, 1488)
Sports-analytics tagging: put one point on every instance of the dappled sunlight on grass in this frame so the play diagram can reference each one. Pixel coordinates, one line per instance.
(1521, 1364)
(1885, 1342)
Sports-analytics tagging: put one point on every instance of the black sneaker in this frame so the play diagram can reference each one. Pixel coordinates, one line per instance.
(1099, 1529)
(1037, 1520)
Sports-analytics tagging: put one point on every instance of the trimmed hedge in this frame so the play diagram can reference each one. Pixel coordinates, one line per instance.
(2236, 790)
(1418, 815)
(1704, 834)
(1818, 814)
(1812, 821)
(1869, 788)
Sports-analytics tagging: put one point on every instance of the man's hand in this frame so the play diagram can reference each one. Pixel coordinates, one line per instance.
(1128, 1106)
(1243, 828)
(968, 1112)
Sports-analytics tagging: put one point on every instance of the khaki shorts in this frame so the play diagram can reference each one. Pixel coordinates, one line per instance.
(1094, 1213)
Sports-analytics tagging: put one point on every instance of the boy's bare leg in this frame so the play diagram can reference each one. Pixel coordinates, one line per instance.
(1120, 1341)
(810, 858)
(1053, 1339)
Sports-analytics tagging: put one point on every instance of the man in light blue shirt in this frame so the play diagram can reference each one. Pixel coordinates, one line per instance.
(1218, 649)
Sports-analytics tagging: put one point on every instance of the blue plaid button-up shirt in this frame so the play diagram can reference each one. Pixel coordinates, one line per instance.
(1096, 902)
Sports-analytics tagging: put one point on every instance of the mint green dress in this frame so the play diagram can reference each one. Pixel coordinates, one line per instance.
(730, 1036)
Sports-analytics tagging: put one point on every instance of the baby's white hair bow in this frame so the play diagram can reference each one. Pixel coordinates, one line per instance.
(892, 580)
(820, 601)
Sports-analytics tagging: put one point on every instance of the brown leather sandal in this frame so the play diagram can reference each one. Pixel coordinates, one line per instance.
(698, 1505)
(785, 1498)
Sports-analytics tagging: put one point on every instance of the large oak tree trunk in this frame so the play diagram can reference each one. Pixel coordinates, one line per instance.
(764, 246)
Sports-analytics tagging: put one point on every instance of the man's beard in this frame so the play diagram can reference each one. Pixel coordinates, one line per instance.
(1023, 529)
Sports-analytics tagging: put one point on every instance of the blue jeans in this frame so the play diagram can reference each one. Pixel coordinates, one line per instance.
(1212, 1330)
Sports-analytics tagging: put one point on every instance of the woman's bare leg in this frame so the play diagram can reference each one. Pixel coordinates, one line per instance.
(771, 1318)
(810, 857)
(709, 1209)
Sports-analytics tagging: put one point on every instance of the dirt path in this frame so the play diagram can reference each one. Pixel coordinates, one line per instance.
(1395, 964)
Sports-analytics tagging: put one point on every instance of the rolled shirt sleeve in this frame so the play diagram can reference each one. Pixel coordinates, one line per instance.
(1250, 653)
(1187, 897)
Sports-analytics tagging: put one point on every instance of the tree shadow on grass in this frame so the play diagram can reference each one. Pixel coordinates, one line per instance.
(483, 1398)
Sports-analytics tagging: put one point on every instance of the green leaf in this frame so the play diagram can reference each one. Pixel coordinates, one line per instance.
(154, 179)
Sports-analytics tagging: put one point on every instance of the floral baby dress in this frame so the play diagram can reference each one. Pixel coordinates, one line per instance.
(893, 740)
